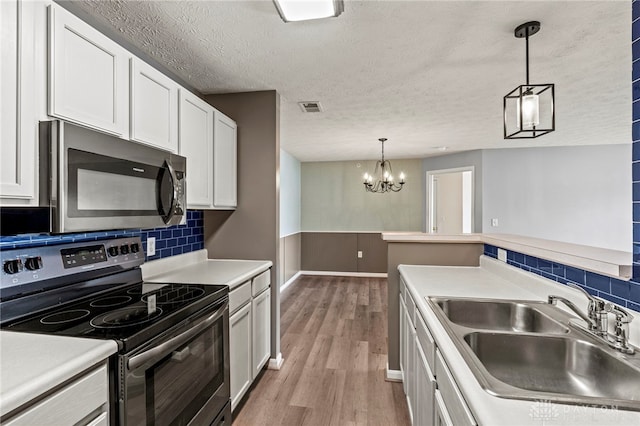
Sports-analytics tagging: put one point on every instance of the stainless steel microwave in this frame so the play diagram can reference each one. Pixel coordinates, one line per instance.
(91, 181)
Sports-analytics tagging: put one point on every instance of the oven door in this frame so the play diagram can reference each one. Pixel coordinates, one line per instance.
(181, 378)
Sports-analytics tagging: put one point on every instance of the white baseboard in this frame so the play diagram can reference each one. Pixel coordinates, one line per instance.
(276, 363)
(346, 274)
(393, 375)
(290, 281)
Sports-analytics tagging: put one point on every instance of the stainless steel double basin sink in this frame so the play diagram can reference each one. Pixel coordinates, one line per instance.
(529, 350)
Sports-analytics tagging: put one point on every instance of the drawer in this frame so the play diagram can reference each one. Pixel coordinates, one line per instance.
(70, 404)
(261, 282)
(403, 290)
(411, 308)
(426, 340)
(453, 399)
(239, 297)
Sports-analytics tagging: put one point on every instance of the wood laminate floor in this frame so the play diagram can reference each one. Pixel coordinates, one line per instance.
(334, 342)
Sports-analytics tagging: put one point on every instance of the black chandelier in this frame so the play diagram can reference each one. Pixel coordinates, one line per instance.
(529, 108)
(383, 176)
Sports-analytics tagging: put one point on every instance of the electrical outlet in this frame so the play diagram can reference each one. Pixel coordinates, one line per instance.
(494, 222)
(151, 246)
(359, 254)
(502, 255)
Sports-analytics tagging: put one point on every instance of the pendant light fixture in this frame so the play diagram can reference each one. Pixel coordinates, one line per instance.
(382, 179)
(529, 108)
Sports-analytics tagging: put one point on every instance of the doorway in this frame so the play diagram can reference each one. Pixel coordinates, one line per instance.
(450, 201)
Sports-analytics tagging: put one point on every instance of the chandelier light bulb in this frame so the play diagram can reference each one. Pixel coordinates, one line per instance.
(402, 176)
(530, 111)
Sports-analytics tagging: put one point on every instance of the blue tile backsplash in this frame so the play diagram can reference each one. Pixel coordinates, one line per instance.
(624, 293)
(169, 241)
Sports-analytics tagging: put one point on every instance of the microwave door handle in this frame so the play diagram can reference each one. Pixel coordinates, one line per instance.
(174, 199)
(177, 341)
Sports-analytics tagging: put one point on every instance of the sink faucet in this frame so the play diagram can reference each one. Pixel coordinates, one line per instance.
(596, 316)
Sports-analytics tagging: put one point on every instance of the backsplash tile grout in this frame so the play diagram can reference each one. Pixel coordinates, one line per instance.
(170, 241)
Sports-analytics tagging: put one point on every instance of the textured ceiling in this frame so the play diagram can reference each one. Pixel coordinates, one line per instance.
(423, 74)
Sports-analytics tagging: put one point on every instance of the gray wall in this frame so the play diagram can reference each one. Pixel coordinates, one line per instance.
(334, 199)
(579, 194)
(252, 230)
(452, 161)
(289, 194)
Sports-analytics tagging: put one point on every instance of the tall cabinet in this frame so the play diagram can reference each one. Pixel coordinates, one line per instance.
(17, 109)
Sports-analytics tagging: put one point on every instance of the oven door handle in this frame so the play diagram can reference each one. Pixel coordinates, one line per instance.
(177, 341)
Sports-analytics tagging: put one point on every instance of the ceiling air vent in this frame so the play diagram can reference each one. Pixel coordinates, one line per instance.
(310, 106)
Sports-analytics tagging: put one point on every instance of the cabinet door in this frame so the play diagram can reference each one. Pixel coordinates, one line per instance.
(154, 107)
(240, 353)
(261, 313)
(88, 75)
(411, 369)
(403, 348)
(225, 162)
(196, 144)
(18, 120)
(442, 417)
(425, 386)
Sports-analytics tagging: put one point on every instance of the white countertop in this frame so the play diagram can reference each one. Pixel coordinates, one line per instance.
(613, 263)
(495, 279)
(195, 268)
(32, 364)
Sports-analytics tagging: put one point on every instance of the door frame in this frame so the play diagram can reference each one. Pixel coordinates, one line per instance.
(428, 219)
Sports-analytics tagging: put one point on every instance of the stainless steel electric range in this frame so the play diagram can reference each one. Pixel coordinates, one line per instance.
(172, 367)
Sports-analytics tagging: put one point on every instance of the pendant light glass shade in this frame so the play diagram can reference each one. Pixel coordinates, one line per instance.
(529, 108)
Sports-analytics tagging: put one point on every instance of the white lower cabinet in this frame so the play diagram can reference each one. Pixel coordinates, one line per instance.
(249, 333)
(261, 307)
(240, 353)
(433, 396)
(84, 401)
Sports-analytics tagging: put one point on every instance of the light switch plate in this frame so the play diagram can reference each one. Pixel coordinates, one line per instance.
(151, 246)
(494, 222)
(359, 254)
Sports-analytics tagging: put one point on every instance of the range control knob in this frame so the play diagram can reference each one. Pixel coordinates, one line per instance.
(113, 251)
(124, 249)
(13, 266)
(135, 248)
(33, 263)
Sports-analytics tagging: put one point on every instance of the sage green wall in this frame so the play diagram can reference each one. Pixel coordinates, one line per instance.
(334, 199)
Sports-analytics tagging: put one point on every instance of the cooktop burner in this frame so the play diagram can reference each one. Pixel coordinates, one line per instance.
(110, 301)
(64, 316)
(126, 317)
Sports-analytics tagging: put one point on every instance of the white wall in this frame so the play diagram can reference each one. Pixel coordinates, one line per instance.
(334, 198)
(574, 194)
(289, 194)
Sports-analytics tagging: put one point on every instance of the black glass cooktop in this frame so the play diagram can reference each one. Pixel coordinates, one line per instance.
(130, 314)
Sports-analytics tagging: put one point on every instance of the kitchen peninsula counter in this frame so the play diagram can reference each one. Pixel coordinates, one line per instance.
(494, 279)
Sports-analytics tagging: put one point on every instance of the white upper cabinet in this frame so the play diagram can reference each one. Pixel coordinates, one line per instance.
(18, 122)
(196, 144)
(88, 75)
(225, 162)
(154, 107)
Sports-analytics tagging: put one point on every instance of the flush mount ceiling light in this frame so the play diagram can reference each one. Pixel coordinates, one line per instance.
(383, 176)
(304, 10)
(529, 108)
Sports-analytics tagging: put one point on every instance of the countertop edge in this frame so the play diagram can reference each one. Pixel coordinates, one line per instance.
(22, 394)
